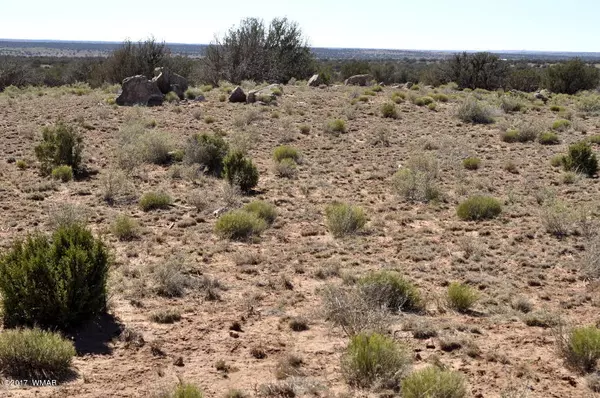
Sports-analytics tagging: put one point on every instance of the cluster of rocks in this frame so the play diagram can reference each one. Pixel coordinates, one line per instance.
(138, 90)
(263, 95)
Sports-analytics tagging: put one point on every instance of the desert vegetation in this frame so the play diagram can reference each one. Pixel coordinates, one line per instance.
(432, 239)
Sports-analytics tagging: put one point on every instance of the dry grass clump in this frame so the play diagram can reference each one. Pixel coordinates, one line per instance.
(388, 110)
(140, 144)
(125, 228)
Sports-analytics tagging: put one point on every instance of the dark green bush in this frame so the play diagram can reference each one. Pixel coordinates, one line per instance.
(56, 282)
(371, 358)
(35, 353)
(61, 146)
(571, 76)
(581, 159)
(155, 200)
(207, 150)
(390, 289)
(239, 225)
(433, 382)
(479, 208)
(240, 171)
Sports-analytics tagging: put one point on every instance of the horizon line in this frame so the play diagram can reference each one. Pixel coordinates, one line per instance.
(316, 47)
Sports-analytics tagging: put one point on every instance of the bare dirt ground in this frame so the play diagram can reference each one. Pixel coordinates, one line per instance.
(266, 283)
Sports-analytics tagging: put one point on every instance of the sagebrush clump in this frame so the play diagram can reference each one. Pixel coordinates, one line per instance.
(154, 201)
(207, 150)
(461, 297)
(473, 111)
(54, 282)
(581, 347)
(581, 159)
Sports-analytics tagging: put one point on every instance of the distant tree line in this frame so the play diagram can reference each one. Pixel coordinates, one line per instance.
(279, 52)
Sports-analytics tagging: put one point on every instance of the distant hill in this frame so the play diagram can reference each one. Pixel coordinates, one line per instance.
(101, 49)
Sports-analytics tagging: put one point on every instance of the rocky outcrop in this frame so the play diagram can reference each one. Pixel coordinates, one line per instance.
(168, 81)
(264, 93)
(358, 80)
(543, 95)
(138, 90)
(237, 95)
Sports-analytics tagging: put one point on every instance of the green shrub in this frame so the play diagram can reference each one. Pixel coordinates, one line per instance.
(472, 111)
(479, 208)
(581, 159)
(549, 138)
(440, 97)
(171, 96)
(286, 152)
(335, 126)
(471, 163)
(571, 77)
(61, 145)
(192, 93)
(187, 390)
(155, 200)
(262, 210)
(35, 353)
(21, 164)
(433, 382)
(388, 110)
(63, 173)
(461, 297)
(557, 160)
(581, 347)
(390, 290)
(377, 88)
(510, 136)
(207, 150)
(561, 125)
(56, 282)
(304, 129)
(556, 108)
(423, 101)
(239, 225)
(594, 139)
(240, 171)
(125, 228)
(398, 97)
(371, 358)
(344, 219)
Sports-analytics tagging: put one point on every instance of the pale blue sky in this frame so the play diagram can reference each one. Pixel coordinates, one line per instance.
(548, 25)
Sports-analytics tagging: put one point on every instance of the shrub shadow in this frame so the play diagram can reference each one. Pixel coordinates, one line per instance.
(95, 336)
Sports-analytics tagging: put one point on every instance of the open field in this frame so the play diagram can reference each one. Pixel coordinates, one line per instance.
(240, 301)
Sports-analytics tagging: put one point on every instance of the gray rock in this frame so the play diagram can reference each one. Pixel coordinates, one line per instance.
(237, 95)
(358, 80)
(409, 85)
(255, 95)
(543, 95)
(168, 81)
(138, 90)
(315, 81)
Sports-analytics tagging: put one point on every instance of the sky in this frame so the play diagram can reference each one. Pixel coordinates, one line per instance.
(542, 25)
